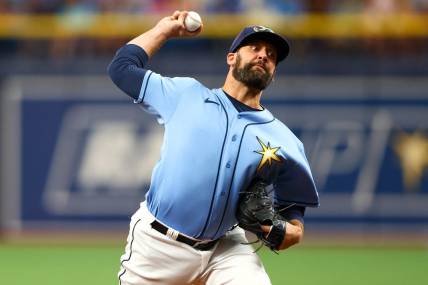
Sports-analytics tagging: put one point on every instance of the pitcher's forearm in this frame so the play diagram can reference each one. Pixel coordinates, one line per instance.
(150, 41)
(294, 234)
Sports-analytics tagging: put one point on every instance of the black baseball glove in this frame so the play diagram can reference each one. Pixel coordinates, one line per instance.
(255, 208)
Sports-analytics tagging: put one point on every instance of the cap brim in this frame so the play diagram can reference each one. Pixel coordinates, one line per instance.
(279, 42)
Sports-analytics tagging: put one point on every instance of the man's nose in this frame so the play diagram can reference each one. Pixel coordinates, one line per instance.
(262, 55)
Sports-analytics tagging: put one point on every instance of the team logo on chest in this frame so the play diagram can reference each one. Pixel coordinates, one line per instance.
(268, 154)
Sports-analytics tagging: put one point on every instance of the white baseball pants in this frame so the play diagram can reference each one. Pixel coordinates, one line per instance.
(154, 259)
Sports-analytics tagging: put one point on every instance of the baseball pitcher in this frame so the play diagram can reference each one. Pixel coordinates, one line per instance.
(227, 165)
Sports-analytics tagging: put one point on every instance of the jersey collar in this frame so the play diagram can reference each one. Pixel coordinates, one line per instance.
(255, 116)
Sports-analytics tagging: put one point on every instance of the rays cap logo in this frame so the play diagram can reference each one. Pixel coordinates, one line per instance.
(259, 32)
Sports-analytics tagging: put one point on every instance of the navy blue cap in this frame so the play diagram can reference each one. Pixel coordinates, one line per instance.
(263, 33)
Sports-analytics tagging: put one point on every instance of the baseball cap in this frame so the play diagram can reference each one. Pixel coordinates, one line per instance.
(260, 32)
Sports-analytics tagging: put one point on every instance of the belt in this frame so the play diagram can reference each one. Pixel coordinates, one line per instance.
(199, 245)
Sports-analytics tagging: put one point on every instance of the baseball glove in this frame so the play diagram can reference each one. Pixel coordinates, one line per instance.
(255, 208)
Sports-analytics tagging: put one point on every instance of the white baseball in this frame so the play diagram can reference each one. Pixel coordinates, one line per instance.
(193, 21)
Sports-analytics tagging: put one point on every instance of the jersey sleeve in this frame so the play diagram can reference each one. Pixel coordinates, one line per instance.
(161, 95)
(157, 94)
(295, 184)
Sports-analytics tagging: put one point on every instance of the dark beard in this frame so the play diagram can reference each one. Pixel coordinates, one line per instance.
(252, 79)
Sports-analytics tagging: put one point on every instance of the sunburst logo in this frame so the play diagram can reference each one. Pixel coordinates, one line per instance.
(268, 154)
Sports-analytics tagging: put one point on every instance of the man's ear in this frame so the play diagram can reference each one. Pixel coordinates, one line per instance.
(231, 58)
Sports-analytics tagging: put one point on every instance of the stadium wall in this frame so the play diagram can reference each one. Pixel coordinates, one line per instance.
(69, 160)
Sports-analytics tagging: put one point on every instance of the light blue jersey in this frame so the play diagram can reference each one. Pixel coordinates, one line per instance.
(211, 152)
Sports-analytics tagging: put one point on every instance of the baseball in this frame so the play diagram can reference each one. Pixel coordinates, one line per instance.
(193, 21)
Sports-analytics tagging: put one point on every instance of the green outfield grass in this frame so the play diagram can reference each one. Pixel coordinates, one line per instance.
(66, 265)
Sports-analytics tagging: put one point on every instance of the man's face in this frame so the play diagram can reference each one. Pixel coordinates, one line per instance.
(255, 64)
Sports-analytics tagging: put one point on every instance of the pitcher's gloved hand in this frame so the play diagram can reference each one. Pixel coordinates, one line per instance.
(255, 209)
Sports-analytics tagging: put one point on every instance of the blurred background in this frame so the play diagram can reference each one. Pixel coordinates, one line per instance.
(76, 154)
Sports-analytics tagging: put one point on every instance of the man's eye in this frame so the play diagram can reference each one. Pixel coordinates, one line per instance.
(271, 54)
